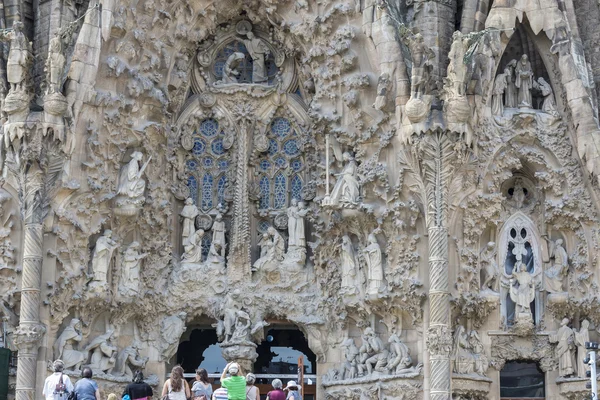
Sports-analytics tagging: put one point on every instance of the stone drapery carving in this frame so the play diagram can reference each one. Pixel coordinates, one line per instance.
(230, 72)
(131, 186)
(258, 51)
(349, 269)
(171, 329)
(346, 190)
(218, 237)
(422, 61)
(55, 65)
(192, 250)
(524, 82)
(375, 279)
(468, 354)
(511, 92)
(65, 346)
(129, 360)
(500, 86)
(565, 349)
(129, 285)
(20, 57)
(556, 273)
(102, 353)
(581, 337)
(549, 104)
(489, 267)
(523, 294)
(273, 248)
(189, 214)
(296, 252)
(101, 259)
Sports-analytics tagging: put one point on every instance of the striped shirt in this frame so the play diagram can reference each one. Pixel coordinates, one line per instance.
(220, 394)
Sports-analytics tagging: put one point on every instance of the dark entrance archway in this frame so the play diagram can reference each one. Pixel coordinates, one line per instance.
(201, 350)
(522, 380)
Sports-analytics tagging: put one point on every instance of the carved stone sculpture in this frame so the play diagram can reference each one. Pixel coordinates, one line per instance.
(422, 59)
(523, 294)
(130, 190)
(274, 250)
(171, 329)
(20, 56)
(383, 87)
(349, 369)
(101, 259)
(346, 189)
(372, 354)
(258, 50)
(481, 359)
(549, 104)
(556, 274)
(102, 353)
(400, 361)
(524, 82)
(218, 236)
(193, 249)
(489, 267)
(55, 65)
(500, 85)
(581, 338)
(65, 346)
(296, 253)
(129, 285)
(230, 73)
(189, 214)
(129, 360)
(464, 362)
(510, 94)
(349, 268)
(565, 349)
(374, 260)
(229, 311)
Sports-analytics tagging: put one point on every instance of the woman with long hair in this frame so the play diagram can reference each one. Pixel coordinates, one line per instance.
(201, 389)
(176, 387)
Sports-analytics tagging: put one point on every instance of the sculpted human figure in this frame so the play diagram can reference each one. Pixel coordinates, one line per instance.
(375, 267)
(131, 183)
(373, 353)
(510, 94)
(489, 267)
(565, 349)
(383, 87)
(103, 353)
(101, 258)
(524, 294)
(296, 213)
(524, 81)
(189, 214)
(258, 50)
(171, 329)
(218, 236)
(581, 338)
(230, 73)
(7, 253)
(129, 285)
(193, 249)
(64, 347)
(349, 270)
(556, 274)
(498, 93)
(346, 189)
(55, 65)
(464, 362)
(20, 56)
(229, 310)
(481, 360)
(422, 57)
(215, 258)
(549, 104)
(349, 368)
(128, 358)
(274, 250)
(399, 361)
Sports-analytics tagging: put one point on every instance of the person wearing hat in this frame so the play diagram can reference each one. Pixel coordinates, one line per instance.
(58, 385)
(235, 383)
(277, 393)
(292, 389)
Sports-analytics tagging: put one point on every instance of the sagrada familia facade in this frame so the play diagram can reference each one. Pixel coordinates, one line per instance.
(411, 186)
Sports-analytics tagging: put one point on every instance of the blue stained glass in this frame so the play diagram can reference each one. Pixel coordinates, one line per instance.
(207, 192)
(291, 148)
(279, 191)
(223, 164)
(209, 127)
(207, 162)
(281, 127)
(265, 165)
(296, 165)
(221, 185)
(265, 191)
(263, 226)
(217, 146)
(296, 187)
(205, 245)
(219, 68)
(280, 162)
(244, 67)
(273, 147)
(199, 146)
(191, 165)
(193, 186)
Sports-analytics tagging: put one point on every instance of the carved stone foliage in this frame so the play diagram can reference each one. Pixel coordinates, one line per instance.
(509, 348)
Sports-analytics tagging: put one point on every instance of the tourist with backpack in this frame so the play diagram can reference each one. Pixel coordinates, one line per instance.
(58, 385)
(201, 389)
(86, 388)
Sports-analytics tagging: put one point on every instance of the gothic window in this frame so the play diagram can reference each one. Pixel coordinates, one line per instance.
(280, 167)
(207, 165)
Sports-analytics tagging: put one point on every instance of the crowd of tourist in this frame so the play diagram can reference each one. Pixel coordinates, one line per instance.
(234, 386)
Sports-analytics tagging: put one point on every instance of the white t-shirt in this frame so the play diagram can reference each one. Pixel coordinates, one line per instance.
(50, 385)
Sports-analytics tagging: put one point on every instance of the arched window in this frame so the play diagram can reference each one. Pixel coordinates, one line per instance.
(206, 166)
(280, 167)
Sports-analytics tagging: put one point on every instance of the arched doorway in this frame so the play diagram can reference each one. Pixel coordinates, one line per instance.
(201, 350)
(522, 380)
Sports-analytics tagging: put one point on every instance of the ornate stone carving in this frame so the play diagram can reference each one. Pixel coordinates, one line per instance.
(346, 191)
(102, 353)
(273, 248)
(130, 190)
(101, 259)
(129, 284)
(556, 273)
(20, 57)
(65, 347)
(129, 360)
(189, 214)
(524, 82)
(565, 349)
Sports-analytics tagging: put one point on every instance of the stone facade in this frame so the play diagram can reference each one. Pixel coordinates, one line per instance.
(411, 184)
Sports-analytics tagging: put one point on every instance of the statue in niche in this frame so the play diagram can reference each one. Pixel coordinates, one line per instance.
(556, 274)
(549, 104)
(131, 185)
(497, 94)
(297, 240)
(274, 250)
(510, 94)
(171, 329)
(349, 268)
(230, 73)
(129, 286)
(519, 194)
(103, 353)
(218, 237)
(464, 362)
(487, 262)
(64, 347)
(481, 360)
(55, 65)
(189, 214)
(565, 349)
(523, 294)
(524, 82)
(101, 259)
(374, 260)
(383, 87)
(193, 249)
(422, 59)
(346, 189)
(372, 354)
(20, 56)
(581, 338)
(349, 369)
(128, 358)
(258, 50)
(400, 361)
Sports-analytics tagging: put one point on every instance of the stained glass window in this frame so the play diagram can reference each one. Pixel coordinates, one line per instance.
(265, 192)
(296, 187)
(193, 185)
(207, 186)
(221, 185)
(205, 245)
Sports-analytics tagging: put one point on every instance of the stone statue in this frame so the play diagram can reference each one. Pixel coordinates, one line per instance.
(215, 258)
(510, 94)
(399, 361)
(230, 73)
(296, 213)
(193, 249)
(101, 259)
(524, 294)
(518, 196)
(7, 253)
(241, 331)
(103, 353)
(373, 354)
(171, 329)
(524, 82)
(20, 56)
(258, 50)
(375, 266)
(581, 338)
(346, 189)
(349, 270)
(549, 104)
(464, 362)
(565, 349)
(274, 250)
(556, 274)
(349, 369)
(422, 58)
(218, 236)
(64, 347)
(480, 358)
(129, 357)
(189, 214)
(129, 286)
(489, 267)
(457, 69)
(55, 65)
(383, 87)
(229, 311)
(131, 185)
(498, 93)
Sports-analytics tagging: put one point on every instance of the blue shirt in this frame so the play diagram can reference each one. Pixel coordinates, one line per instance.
(86, 389)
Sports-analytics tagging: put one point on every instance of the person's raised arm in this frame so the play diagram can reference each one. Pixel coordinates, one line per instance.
(224, 374)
